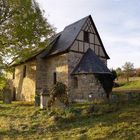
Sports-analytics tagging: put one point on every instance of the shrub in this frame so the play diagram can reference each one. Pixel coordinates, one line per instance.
(71, 113)
(2, 82)
(58, 91)
(0, 95)
(116, 84)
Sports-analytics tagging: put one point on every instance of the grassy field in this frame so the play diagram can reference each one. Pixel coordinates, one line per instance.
(134, 83)
(119, 121)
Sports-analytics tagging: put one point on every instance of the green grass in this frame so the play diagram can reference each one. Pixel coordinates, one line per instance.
(129, 85)
(134, 83)
(117, 121)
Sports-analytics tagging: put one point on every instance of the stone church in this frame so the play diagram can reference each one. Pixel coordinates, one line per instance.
(76, 57)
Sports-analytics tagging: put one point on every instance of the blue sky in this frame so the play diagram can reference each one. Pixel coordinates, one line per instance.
(118, 23)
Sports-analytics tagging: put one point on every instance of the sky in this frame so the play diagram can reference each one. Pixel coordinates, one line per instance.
(117, 21)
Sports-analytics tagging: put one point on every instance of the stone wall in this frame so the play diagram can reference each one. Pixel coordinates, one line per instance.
(73, 59)
(40, 75)
(25, 86)
(88, 88)
(47, 67)
(87, 83)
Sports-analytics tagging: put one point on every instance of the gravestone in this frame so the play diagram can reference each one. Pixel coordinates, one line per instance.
(129, 96)
(114, 98)
(44, 97)
(7, 96)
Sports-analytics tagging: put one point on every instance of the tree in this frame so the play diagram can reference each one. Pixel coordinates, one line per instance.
(5, 12)
(138, 72)
(23, 29)
(128, 67)
(119, 72)
(114, 73)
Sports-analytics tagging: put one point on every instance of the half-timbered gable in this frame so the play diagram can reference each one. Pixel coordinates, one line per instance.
(88, 37)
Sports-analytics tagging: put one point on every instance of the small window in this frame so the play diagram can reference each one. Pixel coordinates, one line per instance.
(75, 82)
(14, 73)
(86, 36)
(24, 71)
(54, 78)
(14, 94)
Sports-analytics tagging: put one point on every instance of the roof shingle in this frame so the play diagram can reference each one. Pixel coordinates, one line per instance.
(90, 63)
(68, 35)
(63, 40)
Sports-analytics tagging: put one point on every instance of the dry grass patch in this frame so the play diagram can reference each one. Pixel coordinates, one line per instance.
(24, 121)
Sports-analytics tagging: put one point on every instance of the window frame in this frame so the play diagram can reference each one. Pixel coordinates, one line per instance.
(24, 71)
(13, 76)
(75, 82)
(54, 78)
(86, 37)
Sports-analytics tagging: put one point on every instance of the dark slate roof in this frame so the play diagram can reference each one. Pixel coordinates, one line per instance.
(43, 52)
(68, 36)
(90, 63)
(63, 40)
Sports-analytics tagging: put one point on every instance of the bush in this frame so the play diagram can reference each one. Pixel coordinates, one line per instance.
(116, 84)
(2, 82)
(0, 95)
(58, 91)
(71, 113)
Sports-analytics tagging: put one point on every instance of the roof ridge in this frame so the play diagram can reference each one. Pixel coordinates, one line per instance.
(76, 22)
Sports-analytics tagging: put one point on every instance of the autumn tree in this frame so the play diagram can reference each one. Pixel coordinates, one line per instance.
(128, 67)
(23, 29)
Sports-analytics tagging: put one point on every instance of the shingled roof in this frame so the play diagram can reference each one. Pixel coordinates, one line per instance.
(68, 36)
(63, 40)
(90, 63)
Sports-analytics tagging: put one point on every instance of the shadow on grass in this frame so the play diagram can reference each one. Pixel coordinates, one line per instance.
(121, 113)
(24, 104)
(124, 113)
(13, 133)
(4, 108)
(11, 116)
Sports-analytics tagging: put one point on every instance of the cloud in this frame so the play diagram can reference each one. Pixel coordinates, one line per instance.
(117, 22)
